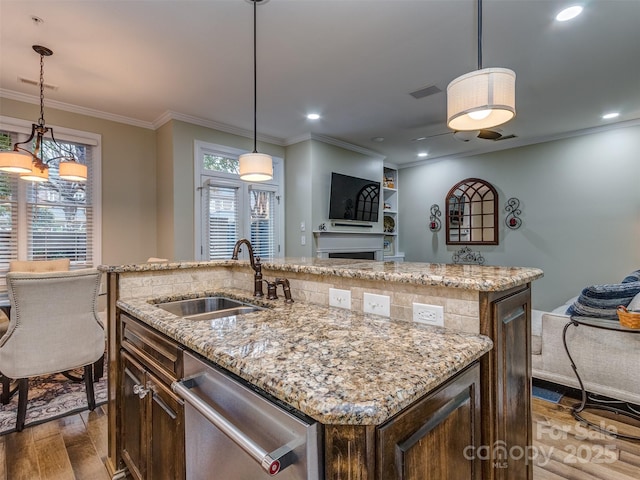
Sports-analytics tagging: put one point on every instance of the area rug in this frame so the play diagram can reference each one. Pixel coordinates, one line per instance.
(546, 394)
(51, 397)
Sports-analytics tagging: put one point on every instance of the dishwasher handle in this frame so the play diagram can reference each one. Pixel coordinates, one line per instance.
(271, 462)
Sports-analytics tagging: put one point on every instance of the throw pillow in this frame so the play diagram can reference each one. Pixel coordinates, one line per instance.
(601, 301)
(634, 305)
(632, 277)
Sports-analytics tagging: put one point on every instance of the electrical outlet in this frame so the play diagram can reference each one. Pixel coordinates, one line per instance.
(303, 240)
(429, 314)
(377, 304)
(340, 298)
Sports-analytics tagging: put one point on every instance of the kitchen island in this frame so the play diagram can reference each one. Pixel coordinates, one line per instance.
(367, 379)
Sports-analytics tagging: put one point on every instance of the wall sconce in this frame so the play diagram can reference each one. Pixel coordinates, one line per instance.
(434, 219)
(512, 207)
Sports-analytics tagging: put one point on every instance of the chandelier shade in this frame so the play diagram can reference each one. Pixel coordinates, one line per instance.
(27, 159)
(37, 174)
(15, 162)
(72, 171)
(481, 99)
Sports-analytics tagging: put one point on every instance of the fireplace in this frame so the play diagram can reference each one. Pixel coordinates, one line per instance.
(358, 245)
(354, 255)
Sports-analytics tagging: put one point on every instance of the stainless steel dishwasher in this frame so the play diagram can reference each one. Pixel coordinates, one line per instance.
(234, 433)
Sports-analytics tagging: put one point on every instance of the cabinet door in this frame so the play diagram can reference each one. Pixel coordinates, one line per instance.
(507, 371)
(133, 431)
(166, 442)
(437, 438)
(514, 373)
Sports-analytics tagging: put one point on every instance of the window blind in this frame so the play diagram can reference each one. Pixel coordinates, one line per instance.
(262, 204)
(8, 210)
(222, 220)
(60, 213)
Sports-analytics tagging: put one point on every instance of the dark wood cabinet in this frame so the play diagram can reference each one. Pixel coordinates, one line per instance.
(435, 438)
(151, 415)
(133, 415)
(506, 370)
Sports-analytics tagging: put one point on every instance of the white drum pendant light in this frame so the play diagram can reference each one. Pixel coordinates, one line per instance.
(254, 166)
(481, 99)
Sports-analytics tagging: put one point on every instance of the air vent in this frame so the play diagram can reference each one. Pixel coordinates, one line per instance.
(35, 83)
(425, 92)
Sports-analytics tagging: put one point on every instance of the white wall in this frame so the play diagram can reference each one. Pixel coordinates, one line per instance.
(308, 182)
(580, 202)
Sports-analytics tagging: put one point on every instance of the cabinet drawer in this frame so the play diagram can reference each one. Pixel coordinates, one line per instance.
(160, 354)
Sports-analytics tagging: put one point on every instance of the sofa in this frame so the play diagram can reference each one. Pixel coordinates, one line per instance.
(608, 361)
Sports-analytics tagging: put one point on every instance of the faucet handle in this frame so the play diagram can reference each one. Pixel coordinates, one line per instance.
(272, 293)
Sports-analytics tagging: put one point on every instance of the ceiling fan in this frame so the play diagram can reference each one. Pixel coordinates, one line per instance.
(465, 136)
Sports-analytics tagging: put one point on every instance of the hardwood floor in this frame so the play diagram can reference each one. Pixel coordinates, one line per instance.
(75, 447)
(568, 450)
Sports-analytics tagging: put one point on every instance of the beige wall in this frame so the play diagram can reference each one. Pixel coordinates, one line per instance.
(183, 137)
(147, 181)
(128, 179)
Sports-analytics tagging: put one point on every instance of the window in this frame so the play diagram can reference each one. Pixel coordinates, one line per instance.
(229, 209)
(52, 219)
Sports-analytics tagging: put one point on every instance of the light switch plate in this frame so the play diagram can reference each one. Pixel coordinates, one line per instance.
(340, 298)
(377, 304)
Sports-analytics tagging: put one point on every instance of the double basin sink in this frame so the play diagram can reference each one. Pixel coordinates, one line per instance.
(207, 308)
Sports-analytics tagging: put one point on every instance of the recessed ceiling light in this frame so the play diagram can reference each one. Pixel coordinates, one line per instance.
(419, 139)
(569, 13)
(423, 154)
(609, 116)
(377, 139)
(313, 116)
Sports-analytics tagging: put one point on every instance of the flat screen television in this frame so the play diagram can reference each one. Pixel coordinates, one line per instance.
(354, 198)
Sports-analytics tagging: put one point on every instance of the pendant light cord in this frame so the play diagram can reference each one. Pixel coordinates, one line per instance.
(479, 34)
(255, 82)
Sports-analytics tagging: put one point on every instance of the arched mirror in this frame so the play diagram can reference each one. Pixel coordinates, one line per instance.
(472, 213)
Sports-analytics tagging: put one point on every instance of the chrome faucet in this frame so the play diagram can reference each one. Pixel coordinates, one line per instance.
(255, 265)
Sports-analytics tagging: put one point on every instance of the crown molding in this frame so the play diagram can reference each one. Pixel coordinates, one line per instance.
(529, 141)
(333, 141)
(223, 127)
(67, 107)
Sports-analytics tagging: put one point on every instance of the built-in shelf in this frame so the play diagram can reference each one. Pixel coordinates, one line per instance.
(390, 208)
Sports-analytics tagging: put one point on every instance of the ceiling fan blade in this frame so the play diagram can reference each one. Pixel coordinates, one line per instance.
(489, 135)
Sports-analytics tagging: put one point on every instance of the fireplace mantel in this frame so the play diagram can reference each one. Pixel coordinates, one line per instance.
(348, 242)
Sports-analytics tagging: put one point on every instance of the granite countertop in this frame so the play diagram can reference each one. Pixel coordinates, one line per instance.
(469, 277)
(334, 365)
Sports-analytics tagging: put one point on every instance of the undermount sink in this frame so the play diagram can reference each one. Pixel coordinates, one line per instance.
(207, 308)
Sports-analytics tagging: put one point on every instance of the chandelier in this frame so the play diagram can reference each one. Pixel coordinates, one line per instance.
(27, 158)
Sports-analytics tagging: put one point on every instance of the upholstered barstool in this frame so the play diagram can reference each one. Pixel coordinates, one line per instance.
(58, 265)
(53, 328)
